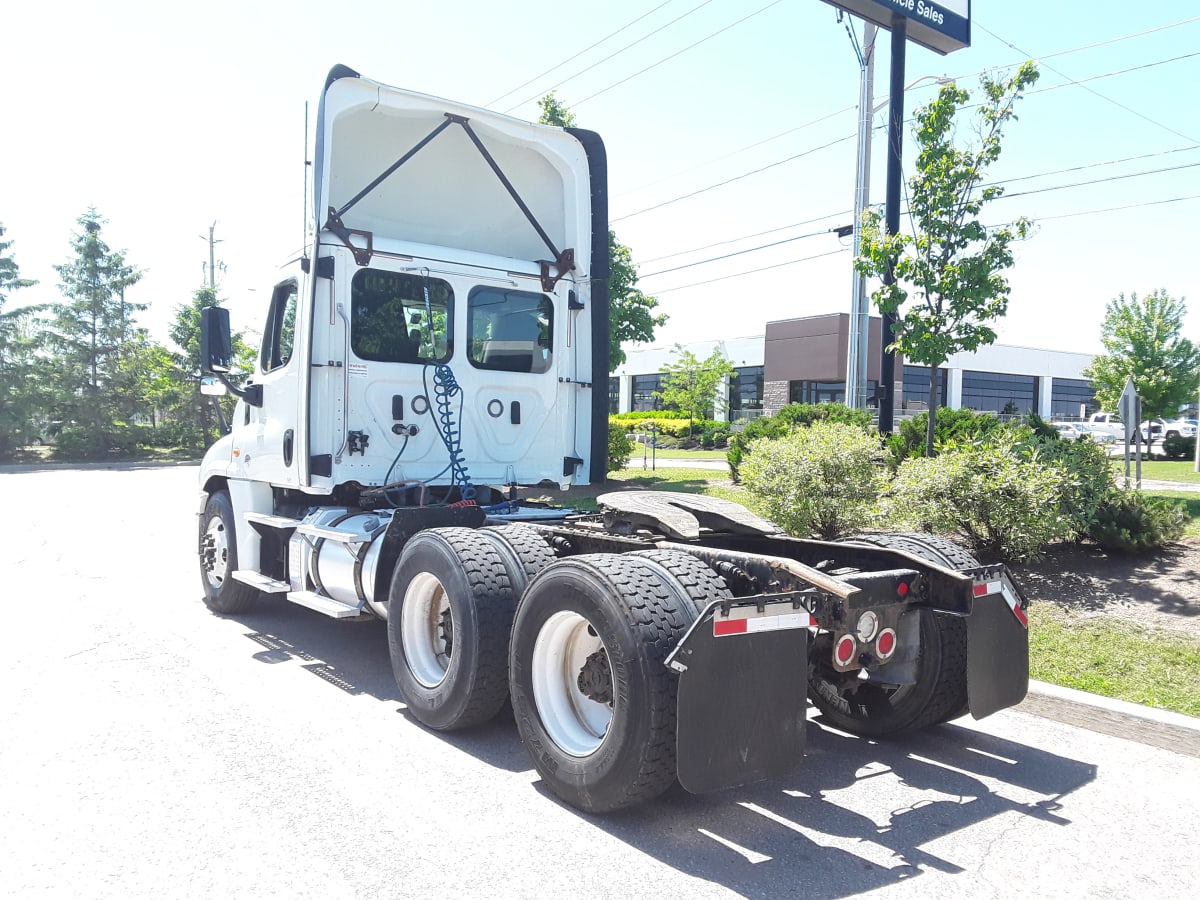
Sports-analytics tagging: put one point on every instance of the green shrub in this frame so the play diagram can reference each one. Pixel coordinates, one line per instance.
(791, 416)
(641, 414)
(620, 448)
(1130, 522)
(1179, 448)
(1087, 476)
(823, 479)
(1002, 505)
(952, 428)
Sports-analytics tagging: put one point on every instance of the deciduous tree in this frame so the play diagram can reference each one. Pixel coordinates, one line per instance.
(1143, 340)
(691, 384)
(950, 265)
(631, 313)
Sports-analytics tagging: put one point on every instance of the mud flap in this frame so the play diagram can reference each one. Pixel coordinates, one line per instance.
(742, 699)
(997, 656)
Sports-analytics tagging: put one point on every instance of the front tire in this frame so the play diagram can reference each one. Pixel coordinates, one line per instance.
(593, 700)
(450, 610)
(940, 693)
(223, 594)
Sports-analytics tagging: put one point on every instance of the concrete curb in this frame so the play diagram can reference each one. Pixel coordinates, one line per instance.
(1119, 718)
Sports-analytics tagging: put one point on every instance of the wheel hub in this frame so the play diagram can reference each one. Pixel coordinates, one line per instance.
(446, 631)
(595, 678)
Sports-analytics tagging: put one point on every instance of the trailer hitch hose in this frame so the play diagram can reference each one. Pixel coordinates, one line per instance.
(445, 389)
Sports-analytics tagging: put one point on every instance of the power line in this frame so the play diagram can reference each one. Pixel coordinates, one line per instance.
(1111, 162)
(799, 237)
(744, 237)
(679, 52)
(1056, 53)
(753, 271)
(1059, 187)
(1092, 212)
(1128, 109)
(583, 51)
(704, 190)
(850, 137)
(610, 56)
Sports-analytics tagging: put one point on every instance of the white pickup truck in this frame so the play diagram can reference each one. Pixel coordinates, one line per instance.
(1106, 423)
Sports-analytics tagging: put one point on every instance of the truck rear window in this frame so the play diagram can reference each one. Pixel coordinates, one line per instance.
(389, 321)
(510, 331)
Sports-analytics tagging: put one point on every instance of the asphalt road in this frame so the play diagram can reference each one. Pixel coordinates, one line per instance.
(150, 749)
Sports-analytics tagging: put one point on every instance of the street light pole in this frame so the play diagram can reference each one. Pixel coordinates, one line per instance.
(856, 355)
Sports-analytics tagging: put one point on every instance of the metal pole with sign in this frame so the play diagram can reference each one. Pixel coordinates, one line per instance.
(943, 27)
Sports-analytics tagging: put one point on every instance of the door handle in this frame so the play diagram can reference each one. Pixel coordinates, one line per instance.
(288, 442)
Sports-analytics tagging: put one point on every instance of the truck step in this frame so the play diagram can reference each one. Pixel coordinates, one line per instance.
(271, 521)
(264, 583)
(323, 604)
(334, 534)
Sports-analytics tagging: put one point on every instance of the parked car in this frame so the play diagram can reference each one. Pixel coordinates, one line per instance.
(1179, 428)
(1073, 431)
(1152, 430)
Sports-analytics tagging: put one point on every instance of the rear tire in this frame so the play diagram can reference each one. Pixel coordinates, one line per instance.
(594, 702)
(450, 609)
(524, 552)
(223, 594)
(940, 694)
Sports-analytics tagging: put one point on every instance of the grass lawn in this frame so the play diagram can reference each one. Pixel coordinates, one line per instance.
(1161, 469)
(1103, 655)
(672, 453)
(1191, 505)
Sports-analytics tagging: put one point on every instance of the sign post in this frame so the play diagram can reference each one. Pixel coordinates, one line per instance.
(1130, 408)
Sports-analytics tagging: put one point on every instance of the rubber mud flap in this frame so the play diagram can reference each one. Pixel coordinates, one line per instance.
(741, 704)
(997, 657)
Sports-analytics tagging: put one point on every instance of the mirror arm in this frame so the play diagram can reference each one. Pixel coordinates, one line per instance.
(251, 393)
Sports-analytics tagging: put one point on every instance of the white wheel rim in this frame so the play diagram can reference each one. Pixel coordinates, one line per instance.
(574, 721)
(216, 565)
(422, 613)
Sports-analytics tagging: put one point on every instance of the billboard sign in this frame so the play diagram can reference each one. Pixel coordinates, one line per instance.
(942, 26)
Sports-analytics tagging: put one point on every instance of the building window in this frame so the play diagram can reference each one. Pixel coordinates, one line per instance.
(746, 388)
(999, 392)
(816, 392)
(614, 396)
(1072, 397)
(644, 389)
(916, 388)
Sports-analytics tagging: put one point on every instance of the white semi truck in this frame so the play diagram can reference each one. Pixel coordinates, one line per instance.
(442, 339)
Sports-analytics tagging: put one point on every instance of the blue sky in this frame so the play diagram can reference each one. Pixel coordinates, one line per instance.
(167, 119)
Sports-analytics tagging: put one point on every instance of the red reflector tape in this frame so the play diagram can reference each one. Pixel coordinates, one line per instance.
(991, 587)
(1010, 597)
(762, 622)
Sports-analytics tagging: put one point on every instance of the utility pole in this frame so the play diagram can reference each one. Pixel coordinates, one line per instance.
(212, 263)
(856, 355)
(887, 364)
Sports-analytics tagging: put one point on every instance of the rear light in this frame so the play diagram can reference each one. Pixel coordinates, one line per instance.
(843, 651)
(902, 589)
(868, 627)
(886, 645)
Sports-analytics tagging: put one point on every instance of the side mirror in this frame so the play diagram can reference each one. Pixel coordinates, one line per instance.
(210, 386)
(216, 357)
(216, 346)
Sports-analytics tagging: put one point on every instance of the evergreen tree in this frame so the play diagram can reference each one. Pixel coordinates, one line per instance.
(19, 405)
(193, 411)
(91, 333)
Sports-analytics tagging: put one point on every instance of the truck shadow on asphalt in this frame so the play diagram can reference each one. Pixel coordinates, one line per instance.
(856, 815)
(352, 655)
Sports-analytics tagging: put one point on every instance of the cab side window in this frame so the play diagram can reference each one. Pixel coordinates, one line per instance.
(279, 334)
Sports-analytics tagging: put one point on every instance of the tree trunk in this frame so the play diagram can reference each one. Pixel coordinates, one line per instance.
(933, 405)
